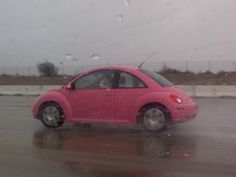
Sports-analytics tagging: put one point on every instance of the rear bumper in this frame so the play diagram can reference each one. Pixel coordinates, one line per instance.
(184, 112)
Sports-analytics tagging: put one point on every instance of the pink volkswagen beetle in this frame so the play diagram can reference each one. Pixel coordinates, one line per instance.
(117, 95)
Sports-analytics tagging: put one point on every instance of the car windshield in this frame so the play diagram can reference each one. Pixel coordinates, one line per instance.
(157, 77)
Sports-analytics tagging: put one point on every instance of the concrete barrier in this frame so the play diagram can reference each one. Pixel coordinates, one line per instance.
(210, 90)
(194, 91)
(25, 89)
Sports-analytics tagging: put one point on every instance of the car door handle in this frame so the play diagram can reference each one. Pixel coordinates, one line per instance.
(109, 95)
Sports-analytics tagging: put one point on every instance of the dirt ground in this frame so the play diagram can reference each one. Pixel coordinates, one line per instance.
(223, 78)
(203, 78)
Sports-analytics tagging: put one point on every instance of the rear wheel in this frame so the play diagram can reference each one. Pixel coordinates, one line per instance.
(154, 118)
(51, 115)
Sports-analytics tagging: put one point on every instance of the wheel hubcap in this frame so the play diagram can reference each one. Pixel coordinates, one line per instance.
(154, 119)
(51, 116)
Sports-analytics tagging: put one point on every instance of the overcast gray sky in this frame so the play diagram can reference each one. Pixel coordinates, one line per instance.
(118, 30)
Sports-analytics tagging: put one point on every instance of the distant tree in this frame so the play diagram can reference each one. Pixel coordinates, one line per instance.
(168, 70)
(47, 69)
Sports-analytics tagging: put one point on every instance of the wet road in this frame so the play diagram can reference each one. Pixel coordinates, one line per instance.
(204, 147)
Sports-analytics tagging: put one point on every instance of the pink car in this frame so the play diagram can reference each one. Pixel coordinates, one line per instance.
(117, 95)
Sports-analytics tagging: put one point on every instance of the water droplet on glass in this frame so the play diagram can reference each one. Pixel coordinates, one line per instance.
(120, 17)
(186, 154)
(210, 141)
(168, 153)
(127, 3)
(75, 38)
(95, 57)
(69, 56)
(75, 59)
(169, 135)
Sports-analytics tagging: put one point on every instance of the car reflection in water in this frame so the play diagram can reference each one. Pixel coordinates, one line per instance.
(102, 151)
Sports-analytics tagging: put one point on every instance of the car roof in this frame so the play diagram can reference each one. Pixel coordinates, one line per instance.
(125, 68)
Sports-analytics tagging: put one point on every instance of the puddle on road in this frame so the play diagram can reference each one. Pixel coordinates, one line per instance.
(115, 142)
(110, 152)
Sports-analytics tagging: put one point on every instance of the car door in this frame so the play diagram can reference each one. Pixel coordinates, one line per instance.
(93, 97)
(128, 89)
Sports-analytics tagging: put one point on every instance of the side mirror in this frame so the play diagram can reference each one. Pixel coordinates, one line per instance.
(69, 86)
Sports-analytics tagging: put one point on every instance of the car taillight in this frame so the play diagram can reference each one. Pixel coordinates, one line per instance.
(176, 99)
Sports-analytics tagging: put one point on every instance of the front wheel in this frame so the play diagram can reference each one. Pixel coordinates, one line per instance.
(51, 115)
(154, 118)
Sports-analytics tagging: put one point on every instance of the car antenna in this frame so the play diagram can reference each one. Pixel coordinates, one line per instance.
(147, 58)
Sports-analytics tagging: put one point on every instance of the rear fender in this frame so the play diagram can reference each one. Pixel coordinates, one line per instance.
(155, 97)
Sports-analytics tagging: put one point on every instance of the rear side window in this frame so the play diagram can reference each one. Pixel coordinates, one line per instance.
(157, 77)
(127, 80)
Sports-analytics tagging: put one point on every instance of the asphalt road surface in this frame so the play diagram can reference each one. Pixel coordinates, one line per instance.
(204, 147)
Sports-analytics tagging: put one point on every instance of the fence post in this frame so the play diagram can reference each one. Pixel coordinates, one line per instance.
(4, 71)
(1, 72)
(107, 61)
(82, 68)
(29, 71)
(77, 71)
(209, 66)
(186, 66)
(62, 70)
(16, 71)
(234, 66)
(163, 65)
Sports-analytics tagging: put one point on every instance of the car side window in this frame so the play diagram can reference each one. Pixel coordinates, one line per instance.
(127, 80)
(96, 80)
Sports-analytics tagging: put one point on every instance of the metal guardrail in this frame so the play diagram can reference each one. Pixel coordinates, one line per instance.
(193, 91)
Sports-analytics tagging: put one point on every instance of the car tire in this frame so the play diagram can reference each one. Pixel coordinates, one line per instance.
(51, 115)
(154, 118)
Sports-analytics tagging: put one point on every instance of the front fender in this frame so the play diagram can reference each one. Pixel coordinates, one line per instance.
(53, 96)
